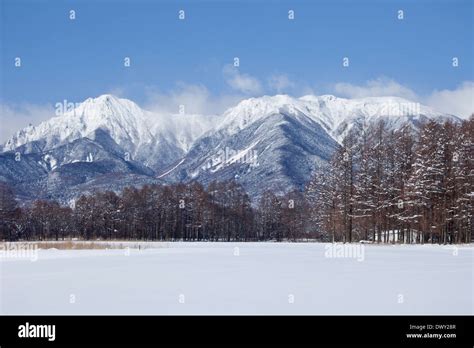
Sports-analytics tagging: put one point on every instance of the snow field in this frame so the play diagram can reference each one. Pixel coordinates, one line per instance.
(241, 278)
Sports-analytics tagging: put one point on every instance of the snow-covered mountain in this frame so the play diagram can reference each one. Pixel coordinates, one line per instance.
(275, 142)
(341, 114)
(152, 138)
(124, 120)
(335, 115)
(271, 142)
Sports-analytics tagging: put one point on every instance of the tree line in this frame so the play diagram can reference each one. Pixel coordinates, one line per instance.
(402, 185)
(220, 212)
(380, 185)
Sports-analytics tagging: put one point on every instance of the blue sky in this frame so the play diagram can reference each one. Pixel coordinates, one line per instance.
(76, 59)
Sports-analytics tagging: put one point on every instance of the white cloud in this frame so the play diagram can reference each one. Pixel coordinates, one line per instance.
(375, 88)
(243, 83)
(117, 91)
(280, 83)
(459, 101)
(14, 117)
(196, 99)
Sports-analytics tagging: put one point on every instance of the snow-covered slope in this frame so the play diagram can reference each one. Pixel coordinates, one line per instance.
(254, 109)
(342, 114)
(275, 142)
(336, 115)
(124, 120)
(274, 139)
(155, 139)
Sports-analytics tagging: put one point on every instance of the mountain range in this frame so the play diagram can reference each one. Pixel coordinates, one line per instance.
(270, 142)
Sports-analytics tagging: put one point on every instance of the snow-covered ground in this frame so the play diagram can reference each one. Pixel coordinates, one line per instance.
(241, 278)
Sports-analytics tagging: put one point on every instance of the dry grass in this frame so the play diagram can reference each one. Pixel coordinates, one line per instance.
(89, 245)
(71, 245)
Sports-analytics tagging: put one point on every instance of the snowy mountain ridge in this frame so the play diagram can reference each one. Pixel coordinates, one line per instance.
(133, 127)
(336, 115)
(109, 142)
(129, 125)
(121, 117)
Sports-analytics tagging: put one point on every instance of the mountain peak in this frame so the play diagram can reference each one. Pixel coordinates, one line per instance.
(104, 99)
(106, 105)
(250, 110)
(124, 119)
(324, 97)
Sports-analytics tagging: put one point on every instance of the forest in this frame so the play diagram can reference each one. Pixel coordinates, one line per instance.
(382, 186)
